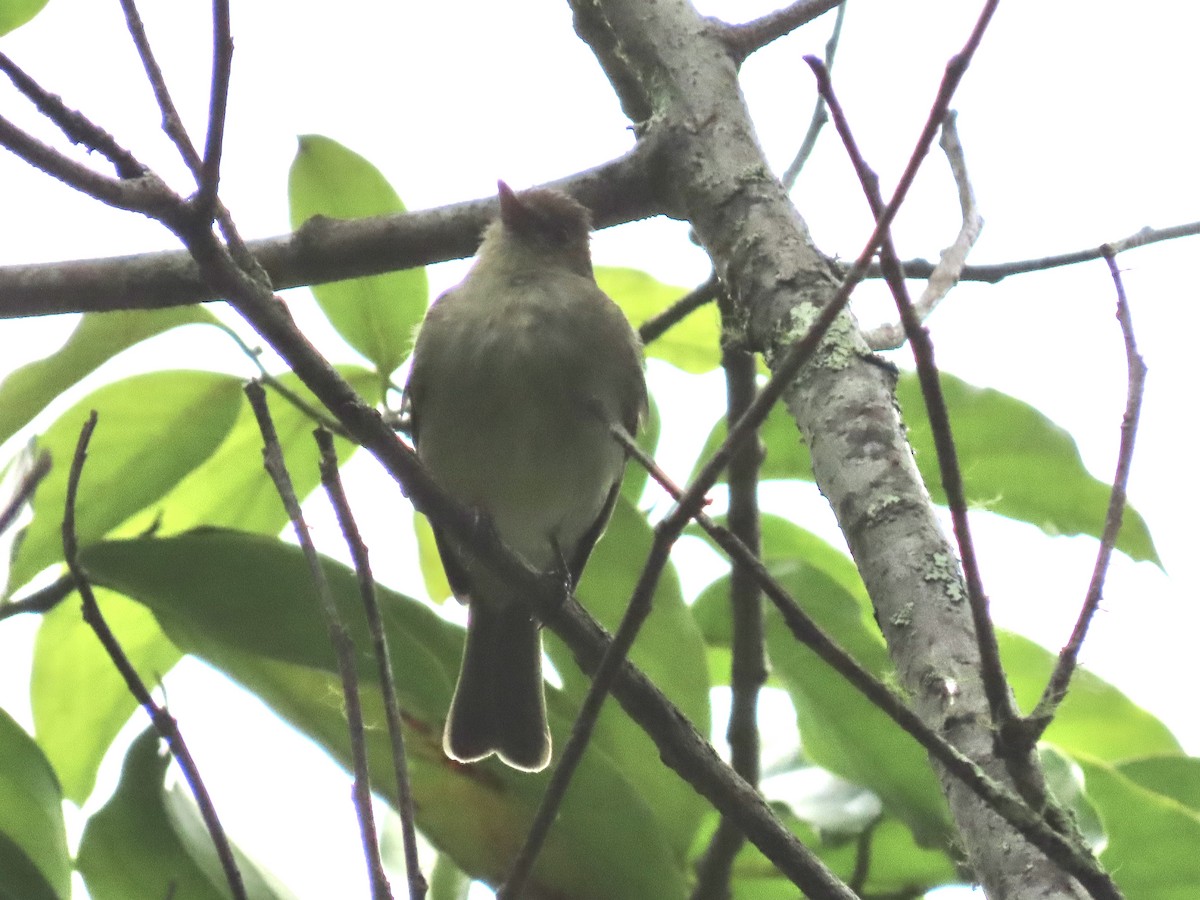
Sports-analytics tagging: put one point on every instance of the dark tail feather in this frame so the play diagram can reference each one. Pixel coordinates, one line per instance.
(499, 706)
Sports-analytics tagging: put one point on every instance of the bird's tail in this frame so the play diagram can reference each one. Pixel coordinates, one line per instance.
(499, 705)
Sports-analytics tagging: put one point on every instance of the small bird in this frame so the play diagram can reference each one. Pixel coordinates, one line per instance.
(517, 376)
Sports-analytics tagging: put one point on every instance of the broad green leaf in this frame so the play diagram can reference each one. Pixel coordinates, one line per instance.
(669, 649)
(80, 702)
(1151, 839)
(1177, 777)
(153, 429)
(15, 13)
(97, 338)
(897, 866)
(1014, 461)
(1095, 718)
(244, 603)
(693, 345)
(377, 314)
(33, 837)
(231, 489)
(147, 841)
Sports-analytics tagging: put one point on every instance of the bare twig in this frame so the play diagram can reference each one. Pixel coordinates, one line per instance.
(218, 100)
(819, 116)
(948, 271)
(744, 39)
(703, 294)
(76, 126)
(995, 683)
(41, 601)
(28, 472)
(749, 667)
(172, 124)
(331, 479)
(163, 721)
(1060, 679)
(339, 637)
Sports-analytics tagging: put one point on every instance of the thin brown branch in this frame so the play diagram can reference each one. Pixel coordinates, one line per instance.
(218, 102)
(1060, 679)
(331, 479)
(949, 269)
(172, 124)
(40, 601)
(995, 683)
(748, 642)
(699, 296)
(744, 39)
(323, 250)
(819, 115)
(339, 637)
(164, 722)
(992, 273)
(77, 127)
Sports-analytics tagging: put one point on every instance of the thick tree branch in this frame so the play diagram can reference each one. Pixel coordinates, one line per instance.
(320, 251)
(843, 403)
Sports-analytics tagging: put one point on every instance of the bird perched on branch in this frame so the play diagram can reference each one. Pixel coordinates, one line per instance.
(517, 376)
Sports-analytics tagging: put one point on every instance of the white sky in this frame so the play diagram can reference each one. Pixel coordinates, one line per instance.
(1078, 123)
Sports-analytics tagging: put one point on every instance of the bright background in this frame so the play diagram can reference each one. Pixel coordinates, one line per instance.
(1078, 123)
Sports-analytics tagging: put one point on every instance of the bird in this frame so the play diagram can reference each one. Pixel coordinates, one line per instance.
(518, 375)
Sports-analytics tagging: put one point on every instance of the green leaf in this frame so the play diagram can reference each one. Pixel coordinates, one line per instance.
(897, 866)
(669, 649)
(244, 603)
(693, 345)
(15, 13)
(1014, 461)
(150, 842)
(447, 881)
(80, 702)
(153, 429)
(230, 489)
(97, 338)
(434, 575)
(1151, 839)
(1095, 718)
(376, 315)
(34, 861)
(1177, 777)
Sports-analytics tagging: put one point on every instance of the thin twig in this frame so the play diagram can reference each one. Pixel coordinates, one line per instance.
(218, 102)
(172, 124)
(72, 123)
(749, 663)
(164, 722)
(819, 116)
(41, 601)
(949, 269)
(700, 296)
(331, 479)
(1060, 679)
(339, 638)
(29, 470)
(995, 684)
